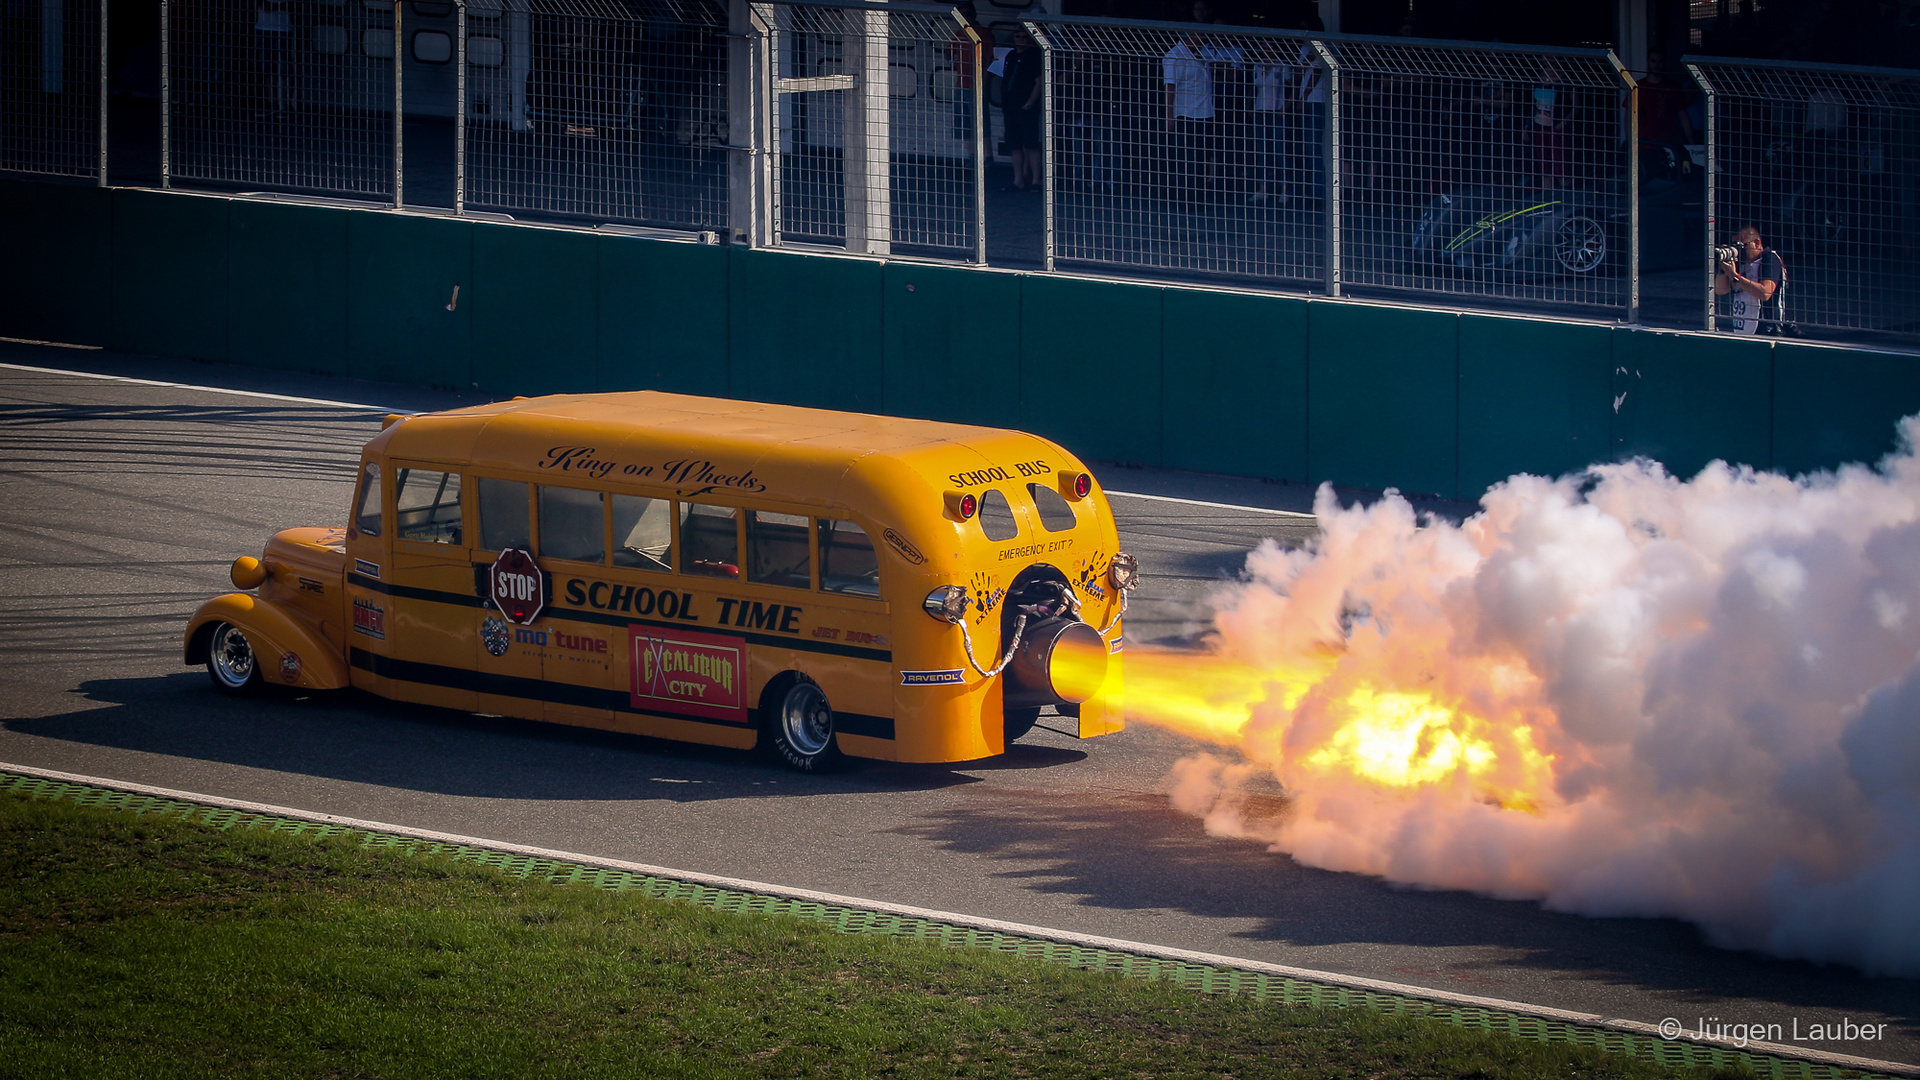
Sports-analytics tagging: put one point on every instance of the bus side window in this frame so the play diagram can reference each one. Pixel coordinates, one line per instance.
(777, 550)
(366, 517)
(847, 562)
(504, 521)
(709, 542)
(1056, 514)
(426, 506)
(996, 516)
(573, 524)
(642, 532)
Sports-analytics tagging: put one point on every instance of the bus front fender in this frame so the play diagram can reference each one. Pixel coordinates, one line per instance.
(276, 636)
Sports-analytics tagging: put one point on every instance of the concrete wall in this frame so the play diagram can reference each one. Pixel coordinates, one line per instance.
(1278, 387)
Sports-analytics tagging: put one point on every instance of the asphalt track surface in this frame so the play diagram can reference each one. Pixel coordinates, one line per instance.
(122, 505)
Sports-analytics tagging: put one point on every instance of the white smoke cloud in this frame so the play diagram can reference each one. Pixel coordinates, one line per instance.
(1725, 672)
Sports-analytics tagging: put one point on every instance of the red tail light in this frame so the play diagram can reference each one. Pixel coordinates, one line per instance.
(1076, 485)
(961, 505)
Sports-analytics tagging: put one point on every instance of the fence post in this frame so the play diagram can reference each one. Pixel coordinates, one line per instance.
(747, 105)
(1713, 176)
(1046, 140)
(460, 107)
(166, 97)
(979, 136)
(102, 87)
(868, 155)
(1633, 188)
(399, 121)
(1331, 169)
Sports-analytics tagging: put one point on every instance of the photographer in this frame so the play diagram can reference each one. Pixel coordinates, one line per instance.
(1751, 275)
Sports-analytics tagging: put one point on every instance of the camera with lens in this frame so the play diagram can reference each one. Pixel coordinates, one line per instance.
(1726, 253)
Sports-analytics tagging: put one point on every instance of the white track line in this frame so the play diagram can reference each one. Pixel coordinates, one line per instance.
(1092, 941)
(1215, 505)
(383, 408)
(204, 389)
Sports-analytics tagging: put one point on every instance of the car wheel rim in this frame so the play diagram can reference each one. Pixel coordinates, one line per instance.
(806, 719)
(1582, 244)
(232, 656)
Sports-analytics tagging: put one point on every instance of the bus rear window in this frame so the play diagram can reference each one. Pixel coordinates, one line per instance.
(1056, 514)
(573, 524)
(709, 544)
(777, 550)
(426, 505)
(366, 516)
(504, 522)
(996, 516)
(847, 561)
(642, 532)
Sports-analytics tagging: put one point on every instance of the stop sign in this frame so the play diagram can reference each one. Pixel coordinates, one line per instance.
(519, 589)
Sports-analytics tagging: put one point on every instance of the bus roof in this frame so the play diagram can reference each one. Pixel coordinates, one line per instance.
(638, 437)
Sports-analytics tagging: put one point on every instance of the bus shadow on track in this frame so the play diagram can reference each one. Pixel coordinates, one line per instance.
(358, 738)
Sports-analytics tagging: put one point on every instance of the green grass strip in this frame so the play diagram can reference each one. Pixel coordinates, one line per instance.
(1013, 1021)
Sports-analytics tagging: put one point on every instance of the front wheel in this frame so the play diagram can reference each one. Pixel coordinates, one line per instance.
(1580, 244)
(800, 721)
(231, 662)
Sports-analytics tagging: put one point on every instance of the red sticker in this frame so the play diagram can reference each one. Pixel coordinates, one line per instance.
(687, 672)
(519, 588)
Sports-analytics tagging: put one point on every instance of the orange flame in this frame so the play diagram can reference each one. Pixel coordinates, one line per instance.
(1392, 739)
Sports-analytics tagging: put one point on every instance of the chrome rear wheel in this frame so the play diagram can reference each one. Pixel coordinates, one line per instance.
(802, 725)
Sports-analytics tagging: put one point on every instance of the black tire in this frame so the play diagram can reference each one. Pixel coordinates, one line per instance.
(800, 726)
(231, 662)
(1019, 722)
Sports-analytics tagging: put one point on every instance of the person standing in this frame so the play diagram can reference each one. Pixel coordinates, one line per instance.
(1752, 286)
(1550, 107)
(1269, 125)
(1310, 95)
(1020, 106)
(1190, 126)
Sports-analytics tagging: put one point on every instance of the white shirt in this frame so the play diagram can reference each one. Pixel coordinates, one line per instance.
(1742, 306)
(1191, 81)
(1269, 86)
(1313, 81)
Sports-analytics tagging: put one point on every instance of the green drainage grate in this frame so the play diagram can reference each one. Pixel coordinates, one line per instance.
(849, 920)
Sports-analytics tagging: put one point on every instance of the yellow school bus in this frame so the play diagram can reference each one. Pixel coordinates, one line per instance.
(826, 584)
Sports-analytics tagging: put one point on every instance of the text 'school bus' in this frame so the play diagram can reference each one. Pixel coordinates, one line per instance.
(705, 570)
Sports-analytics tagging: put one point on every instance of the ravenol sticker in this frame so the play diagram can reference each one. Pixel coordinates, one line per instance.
(946, 677)
(370, 569)
(1118, 644)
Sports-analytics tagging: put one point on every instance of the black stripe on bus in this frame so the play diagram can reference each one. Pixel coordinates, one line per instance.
(831, 648)
(586, 697)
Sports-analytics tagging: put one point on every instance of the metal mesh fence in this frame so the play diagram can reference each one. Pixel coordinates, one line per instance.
(1824, 162)
(876, 130)
(597, 110)
(1195, 150)
(50, 87)
(1484, 172)
(285, 96)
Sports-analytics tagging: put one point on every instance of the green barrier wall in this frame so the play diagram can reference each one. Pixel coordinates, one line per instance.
(805, 330)
(169, 274)
(1687, 399)
(952, 341)
(1363, 395)
(1535, 396)
(1383, 397)
(534, 304)
(54, 283)
(1836, 405)
(287, 287)
(1090, 375)
(1234, 370)
(403, 321)
(663, 316)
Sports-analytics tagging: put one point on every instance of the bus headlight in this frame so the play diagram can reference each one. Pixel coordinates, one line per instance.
(948, 603)
(1125, 572)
